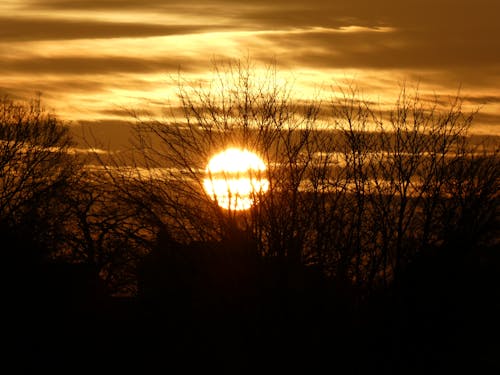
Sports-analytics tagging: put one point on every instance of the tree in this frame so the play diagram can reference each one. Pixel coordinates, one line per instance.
(358, 198)
(35, 170)
(104, 232)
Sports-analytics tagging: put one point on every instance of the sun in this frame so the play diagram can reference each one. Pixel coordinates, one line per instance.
(234, 179)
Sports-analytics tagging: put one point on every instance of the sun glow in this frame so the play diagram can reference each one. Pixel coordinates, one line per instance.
(234, 179)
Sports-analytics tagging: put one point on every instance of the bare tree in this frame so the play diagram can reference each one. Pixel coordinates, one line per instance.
(35, 169)
(358, 198)
(241, 108)
(103, 232)
(401, 166)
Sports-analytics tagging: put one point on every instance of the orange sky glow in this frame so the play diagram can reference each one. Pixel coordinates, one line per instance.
(90, 59)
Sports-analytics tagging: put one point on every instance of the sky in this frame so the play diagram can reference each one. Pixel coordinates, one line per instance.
(90, 59)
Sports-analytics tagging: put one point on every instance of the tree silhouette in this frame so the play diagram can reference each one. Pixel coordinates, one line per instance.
(362, 246)
(35, 171)
(368, 223)
(358, 199)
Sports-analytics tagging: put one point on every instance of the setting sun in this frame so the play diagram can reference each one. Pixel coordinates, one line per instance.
(234, 178)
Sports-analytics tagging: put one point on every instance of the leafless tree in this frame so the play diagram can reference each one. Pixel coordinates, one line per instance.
(103, 232)
(35, 169)
(357, 199)
(403, 173)
(241, 108)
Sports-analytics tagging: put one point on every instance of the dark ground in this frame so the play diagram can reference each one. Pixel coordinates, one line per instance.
(209, 307)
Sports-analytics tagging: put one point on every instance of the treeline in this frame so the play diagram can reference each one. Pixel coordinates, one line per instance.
(365, 245)
(357, 201)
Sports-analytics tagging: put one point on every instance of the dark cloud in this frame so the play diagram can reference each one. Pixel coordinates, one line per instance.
(440, 42)
(398, 49)
(99, 4)
(468, 14)
(50, 88)
(93, 65)
(105, 134)
(38, 29)
(429, 33)
(488, 119)
(483, 99)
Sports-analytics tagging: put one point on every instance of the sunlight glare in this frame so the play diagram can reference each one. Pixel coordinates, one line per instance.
(234, 179)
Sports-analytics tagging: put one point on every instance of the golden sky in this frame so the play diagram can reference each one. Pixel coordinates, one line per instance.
(91, 58)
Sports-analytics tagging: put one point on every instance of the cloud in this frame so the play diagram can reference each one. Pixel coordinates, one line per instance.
(278, 13)
(483, 99)
(83, 65)
(98, 4)
(448, 16)
(399, 49)
(52, 88)
(429, 34)
(440, 43)
(488, 119)
(21, 29)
